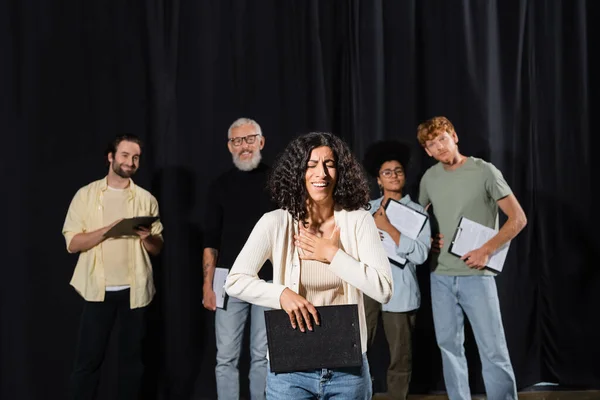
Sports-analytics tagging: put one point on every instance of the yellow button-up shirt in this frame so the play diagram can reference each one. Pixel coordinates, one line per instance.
(85, 215)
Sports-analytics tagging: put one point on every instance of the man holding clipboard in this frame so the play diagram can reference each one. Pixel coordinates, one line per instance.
(456, 187)
(113, 225)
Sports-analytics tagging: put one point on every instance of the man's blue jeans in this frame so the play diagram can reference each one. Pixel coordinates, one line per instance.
(342, 383)
(478, 298)
(229, 331)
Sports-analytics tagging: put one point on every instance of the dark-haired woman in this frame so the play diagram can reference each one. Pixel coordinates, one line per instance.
(387, 162)
(325, 250)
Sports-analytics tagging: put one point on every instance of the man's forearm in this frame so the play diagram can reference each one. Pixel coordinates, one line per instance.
(508, 232)
(209, 263)
(85, 241)
(153, 244)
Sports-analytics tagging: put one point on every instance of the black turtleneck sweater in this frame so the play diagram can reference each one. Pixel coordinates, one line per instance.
(236, 201)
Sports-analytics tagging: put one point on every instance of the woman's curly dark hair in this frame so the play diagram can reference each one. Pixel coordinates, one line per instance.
(383, 151)
(287, 181)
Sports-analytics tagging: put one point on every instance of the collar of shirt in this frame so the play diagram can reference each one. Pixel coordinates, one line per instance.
(104, 187)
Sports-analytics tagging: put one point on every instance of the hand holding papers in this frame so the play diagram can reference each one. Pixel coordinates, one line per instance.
(390, 248)
(219, 286)
(471, 235)
(408, 221)
(128, 226)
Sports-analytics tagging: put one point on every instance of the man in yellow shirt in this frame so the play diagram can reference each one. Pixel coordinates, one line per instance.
(113, 275)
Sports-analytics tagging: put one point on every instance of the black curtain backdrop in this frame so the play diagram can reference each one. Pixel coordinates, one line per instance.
(515, 77)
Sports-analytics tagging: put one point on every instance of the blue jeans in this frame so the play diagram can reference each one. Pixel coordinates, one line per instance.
(478, 298)
(343, 384)
(229, 331)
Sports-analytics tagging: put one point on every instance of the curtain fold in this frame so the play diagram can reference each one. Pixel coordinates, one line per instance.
(516, 78)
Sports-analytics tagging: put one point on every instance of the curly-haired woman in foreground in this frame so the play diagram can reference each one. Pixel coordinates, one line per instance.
(325, 250)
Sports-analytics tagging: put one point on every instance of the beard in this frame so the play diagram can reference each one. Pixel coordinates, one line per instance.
(247, 165)
(121, 172)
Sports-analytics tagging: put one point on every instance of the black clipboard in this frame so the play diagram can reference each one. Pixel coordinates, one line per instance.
(397, 263)
(411, 209)
(454, 237)
(128, 225)
(335, 343)
(456, 233)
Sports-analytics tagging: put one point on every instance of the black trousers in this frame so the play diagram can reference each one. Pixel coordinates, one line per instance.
(97, 322)
(398, 327)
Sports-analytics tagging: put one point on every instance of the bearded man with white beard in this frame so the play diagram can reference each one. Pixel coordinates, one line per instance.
(236, 201)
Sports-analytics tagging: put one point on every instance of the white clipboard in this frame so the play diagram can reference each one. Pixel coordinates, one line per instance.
(390, 249)
(219, 286)
(470, 235)
(408, 221)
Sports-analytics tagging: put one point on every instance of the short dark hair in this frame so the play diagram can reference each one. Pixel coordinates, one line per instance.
(113, 144)
(383, 151)
(287, 183)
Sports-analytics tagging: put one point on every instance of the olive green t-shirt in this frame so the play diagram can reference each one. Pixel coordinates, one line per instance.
(470, 191)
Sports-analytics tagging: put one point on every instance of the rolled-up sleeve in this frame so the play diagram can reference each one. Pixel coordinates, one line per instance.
(157, 227)
(75, 221)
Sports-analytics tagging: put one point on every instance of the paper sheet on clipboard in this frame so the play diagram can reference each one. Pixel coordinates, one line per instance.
(471, 235)
(219, 285)
(390, 248)
(408, 221)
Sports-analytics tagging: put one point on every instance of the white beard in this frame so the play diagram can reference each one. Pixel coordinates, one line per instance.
(248, 165)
